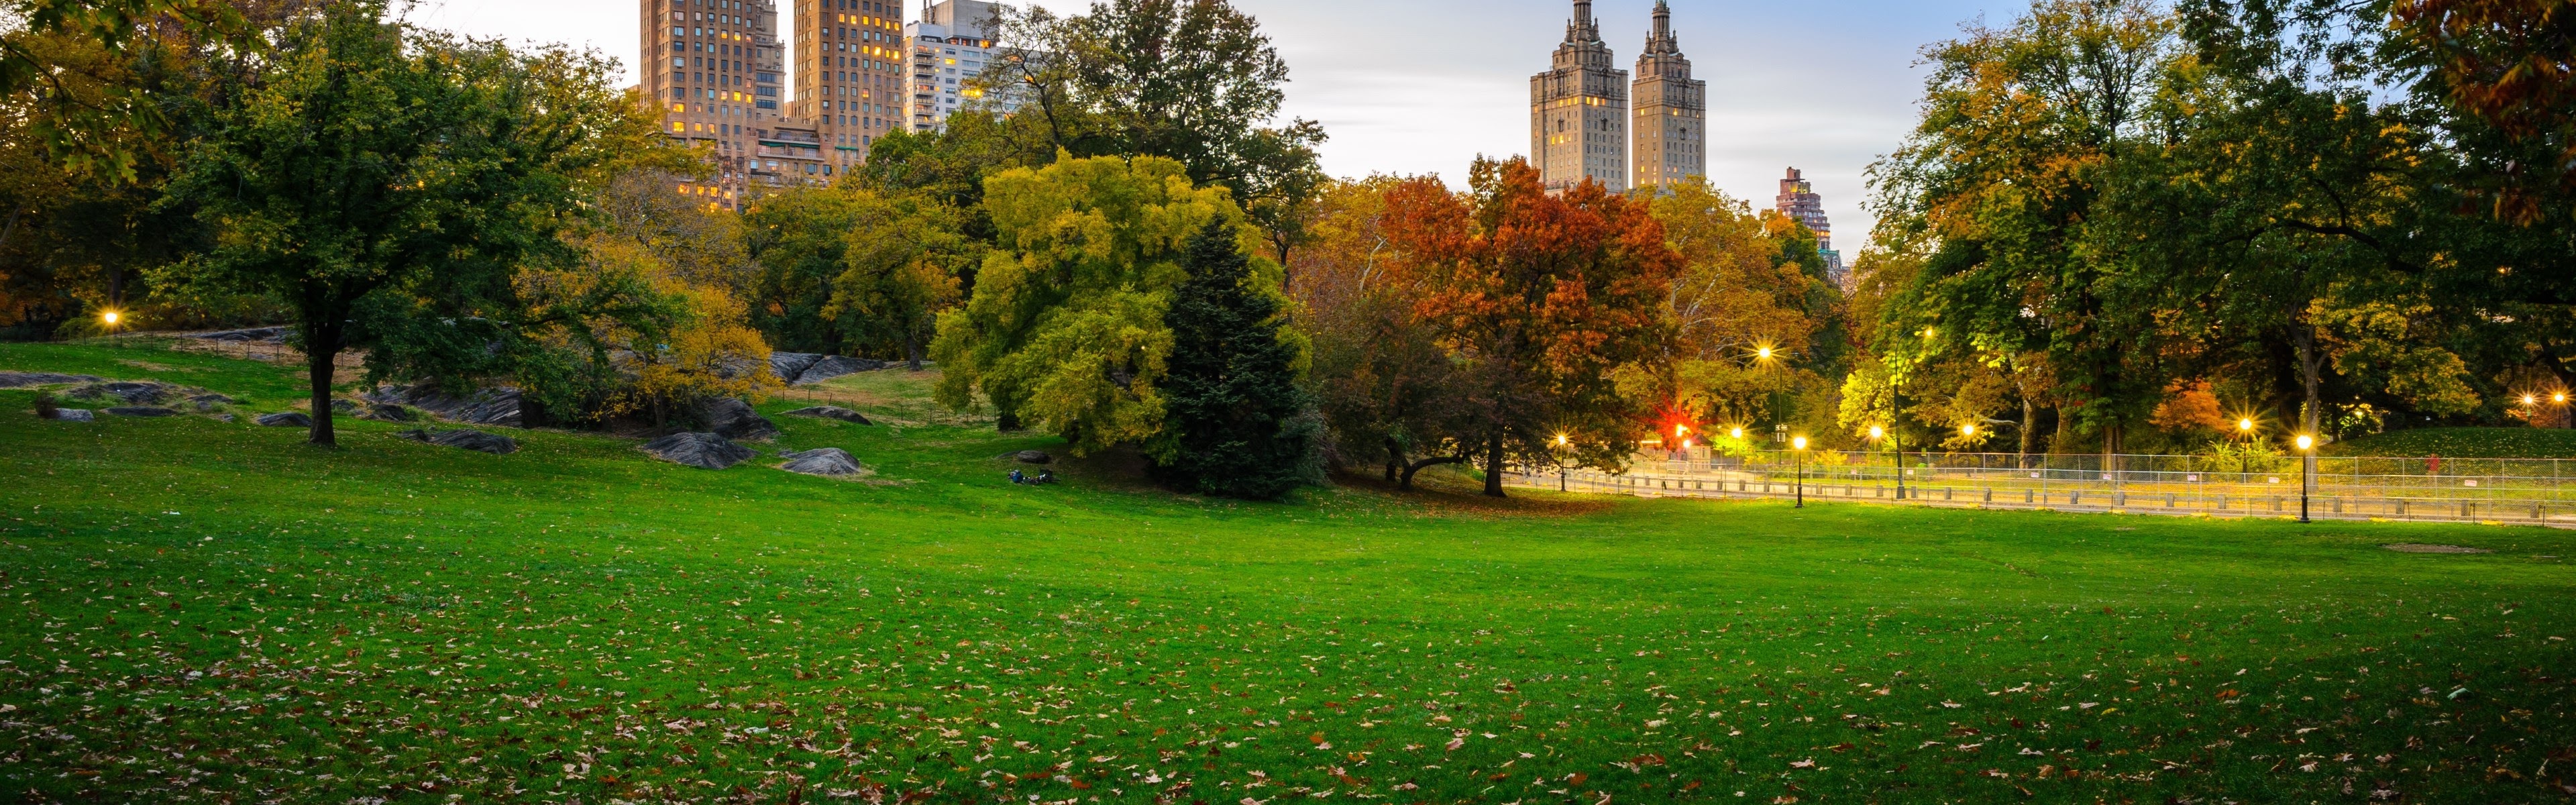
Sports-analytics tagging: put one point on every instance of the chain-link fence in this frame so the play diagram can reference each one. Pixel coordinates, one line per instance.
(2427, 488)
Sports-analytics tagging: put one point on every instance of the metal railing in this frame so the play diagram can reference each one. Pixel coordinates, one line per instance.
(2540, 491)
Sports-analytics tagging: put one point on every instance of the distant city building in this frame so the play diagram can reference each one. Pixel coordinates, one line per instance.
(849, 76)
(1579, 111)
(1799, 201)
(712, 71)
(951, 44)
(1672, 111)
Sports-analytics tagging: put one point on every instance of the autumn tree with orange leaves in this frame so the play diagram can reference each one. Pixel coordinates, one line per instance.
(1546, 303)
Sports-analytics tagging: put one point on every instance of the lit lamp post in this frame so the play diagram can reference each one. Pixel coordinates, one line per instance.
(1800, 444)
(1560, 461)
(2244, 431)
(2307, 472)
(111, 318)
(2560, 399)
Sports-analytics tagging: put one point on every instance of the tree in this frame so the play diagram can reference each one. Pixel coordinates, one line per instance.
(1545, 301)
(1752, 313)
(388, 184)
(899, 269)
(86, 111)
(1238, 424)
(1386, 386)
(1065, 329)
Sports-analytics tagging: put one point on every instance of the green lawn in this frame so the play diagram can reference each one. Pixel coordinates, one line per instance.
(209, 612)
(2463, 443)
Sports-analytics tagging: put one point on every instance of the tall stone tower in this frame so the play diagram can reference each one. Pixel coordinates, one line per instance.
(849, 75)
(711, 70)
(1672, 111)
(1579, 111)
(1798, 199)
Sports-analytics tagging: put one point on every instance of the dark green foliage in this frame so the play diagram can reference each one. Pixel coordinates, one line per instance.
(1237, 423)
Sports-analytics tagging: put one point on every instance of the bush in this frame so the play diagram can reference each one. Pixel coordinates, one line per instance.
(45, 407)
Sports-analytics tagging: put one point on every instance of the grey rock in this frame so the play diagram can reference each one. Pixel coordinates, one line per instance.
(1031, 457)
(465, 439)
(75, 415)
(272, 335)
(287, 419)
(832, 412)
(788, 365)
(19, 380)
(387, 413)
(142, 411)
(133, 393)
(225, 418)
(734, 419)
(344, 406)
(499, 405)
(828, 461)
(209, 402)
(706, 451)
(836, 366)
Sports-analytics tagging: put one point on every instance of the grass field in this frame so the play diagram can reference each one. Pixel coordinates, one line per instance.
(210, 612)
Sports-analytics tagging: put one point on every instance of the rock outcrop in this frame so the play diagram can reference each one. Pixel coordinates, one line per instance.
(132, 392)
(1031, 457)
(145, 411)
(498, 406)
(836, 366)
(734, 419)
(832, 412)
(207, 403)
(465, 439)
(288, 419)
(74, 415)
(790, 365)
(20, 380)
(829, 462)
(705, 451)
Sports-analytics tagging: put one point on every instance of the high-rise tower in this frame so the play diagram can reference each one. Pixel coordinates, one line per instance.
(711, 68)
(1579, 111)
(952, 43)
(1671, 112)
(849, 75)
(1798, 200)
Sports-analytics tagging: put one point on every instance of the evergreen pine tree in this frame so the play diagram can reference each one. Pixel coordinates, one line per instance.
(1236, 423)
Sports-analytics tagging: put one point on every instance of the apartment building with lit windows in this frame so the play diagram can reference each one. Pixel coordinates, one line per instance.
(952, 43)
(1579, 111)
(712, 68)
(1671, 119)
(849, 76)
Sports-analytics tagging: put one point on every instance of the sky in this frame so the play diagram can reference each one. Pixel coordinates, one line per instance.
(1424, 86)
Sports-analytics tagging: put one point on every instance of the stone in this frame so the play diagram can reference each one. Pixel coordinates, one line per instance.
(705, 451)
(274, 335)
(832, 412)
(20, 380)
(465, 439)
(209, 402)
(133, 393)
(287, 419)
(788, 365)
(225, 418)
(1031, 457)
(836, 366)
(344, 406)
(499, 405)
(387, 413)
(734, 419)
(142, 411)
(829, 461)
(75, 415)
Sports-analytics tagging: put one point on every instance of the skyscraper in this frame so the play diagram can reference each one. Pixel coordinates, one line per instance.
(711, 68)
(1579, 111)
(1672, 110)
(849, 75)
(954, 41)
(1798, 200)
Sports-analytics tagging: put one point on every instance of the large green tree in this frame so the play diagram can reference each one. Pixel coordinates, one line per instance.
(388, 184)
(1238, 425)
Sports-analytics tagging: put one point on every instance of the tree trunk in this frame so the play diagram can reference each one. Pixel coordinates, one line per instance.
(2029, 424)
(1007, 422)
(1494, 466)
(2311, 365)
(321, 347)
(1395, 462)
(912, 350)
(1409, 469)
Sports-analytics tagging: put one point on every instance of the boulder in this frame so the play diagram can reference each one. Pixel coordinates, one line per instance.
(288, 419)
(465, 439)
(209, 402)
(19, 380)
(788, 365)
(75, 415)
(499, 405)
(706, 451)
(133, 393)
(829, 461)
(1031, 457)
(387, 413)
(836, 366)
(273, 335)
(734, 419)
(344, 406)
(142, 411)
(832, 412)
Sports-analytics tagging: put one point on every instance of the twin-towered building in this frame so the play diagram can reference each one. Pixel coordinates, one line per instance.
(1583, 124)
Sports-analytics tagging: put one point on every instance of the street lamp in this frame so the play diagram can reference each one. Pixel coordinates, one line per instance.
(1800, 444)
(111, 319)
(2307, 472)
(1561, 443)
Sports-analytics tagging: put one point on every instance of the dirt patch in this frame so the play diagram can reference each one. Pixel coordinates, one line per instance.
(2414, 547)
